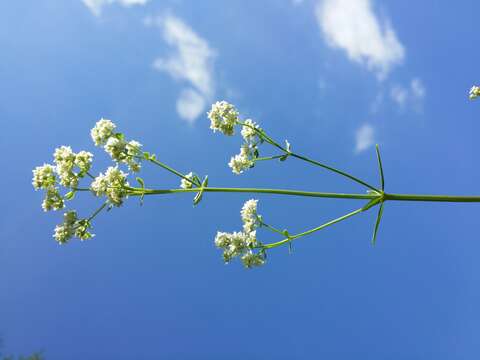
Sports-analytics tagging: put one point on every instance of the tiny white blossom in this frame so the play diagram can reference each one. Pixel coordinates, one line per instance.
(53, 200)
(64, 159)
(112, 185)
(124, 152)
(71, 227)
(102, 131)
(251, 260)
(240, 162)
(222, 240)
(249, 216)
(248, 131)
(235, 244)
(185, 184)
(83, 160)
(43, 177)
(474, 92)
(223, 117)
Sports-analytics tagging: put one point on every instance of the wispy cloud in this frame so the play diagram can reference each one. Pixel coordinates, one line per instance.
(364, 137)
(411, 95)
(96, 6)
(191, 61)
(351, 25)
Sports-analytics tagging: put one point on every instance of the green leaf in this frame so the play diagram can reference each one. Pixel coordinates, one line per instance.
(140, 181)
(284, 157)
(380, 167)
(70, 195)
(199, 195)
(377, 224)
(120, 136)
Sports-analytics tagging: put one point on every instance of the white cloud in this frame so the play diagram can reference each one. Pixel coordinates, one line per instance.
(190, 61)
(352, 26)
(411, 95)
(190, 104)
(364, 137)
(96, 6)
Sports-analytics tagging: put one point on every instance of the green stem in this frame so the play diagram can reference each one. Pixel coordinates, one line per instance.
(268, 158)
(323, 226)
(340, 172)
(268, 139)
(97, 212)
(139, 191)
(436, 198)
(168, 168)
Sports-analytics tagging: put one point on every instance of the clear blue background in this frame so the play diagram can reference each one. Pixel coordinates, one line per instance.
(151, 284)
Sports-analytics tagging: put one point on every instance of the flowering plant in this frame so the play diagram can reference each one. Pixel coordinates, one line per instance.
(69, 169)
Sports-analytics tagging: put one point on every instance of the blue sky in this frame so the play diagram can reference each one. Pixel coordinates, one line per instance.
(333, 77)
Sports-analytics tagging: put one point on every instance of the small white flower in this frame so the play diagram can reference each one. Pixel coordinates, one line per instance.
(83, 160)
(474, 92)
(64, 159)
(124, 152)
(239, 163)
(66, 230)
(116, 148)
(43, 177)
(252, 260)
(112, 185)
(222, 240)
(53, 200)
(223, 117)
(185, 184)
(102, 131)
(248, 131)
(249, 216)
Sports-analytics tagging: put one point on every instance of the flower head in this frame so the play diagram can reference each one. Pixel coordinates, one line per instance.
(241, 162)
(223, 117)
(249, 216)
(102, 131)
(66, 230)
(53, 200)
(66, 160)
(248, 132)
(83, 160)
(112, 185)
(72, 226)
(43, 177)
(251, 259)
(185, 184)
(125, 152)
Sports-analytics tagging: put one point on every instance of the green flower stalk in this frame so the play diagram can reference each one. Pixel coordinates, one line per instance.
(63, 179)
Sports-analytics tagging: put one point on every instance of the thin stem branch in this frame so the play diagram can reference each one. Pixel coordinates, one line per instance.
(436, 198)
(323, 226)
(139, 191)
(97, 211)
(268, 139)
(170, 169)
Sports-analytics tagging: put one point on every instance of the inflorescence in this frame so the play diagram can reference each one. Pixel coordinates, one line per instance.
(62, 179)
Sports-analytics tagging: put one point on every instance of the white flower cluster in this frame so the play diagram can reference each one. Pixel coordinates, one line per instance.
(121, 151)
(69, 167)
(474, 92)
(185, 184)
(249, 149)
(102, 131)
(250, 218)
(242, 161)
(112, 185)
(71, 227)
(242, 244)
(223, 117)
(66, 160)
